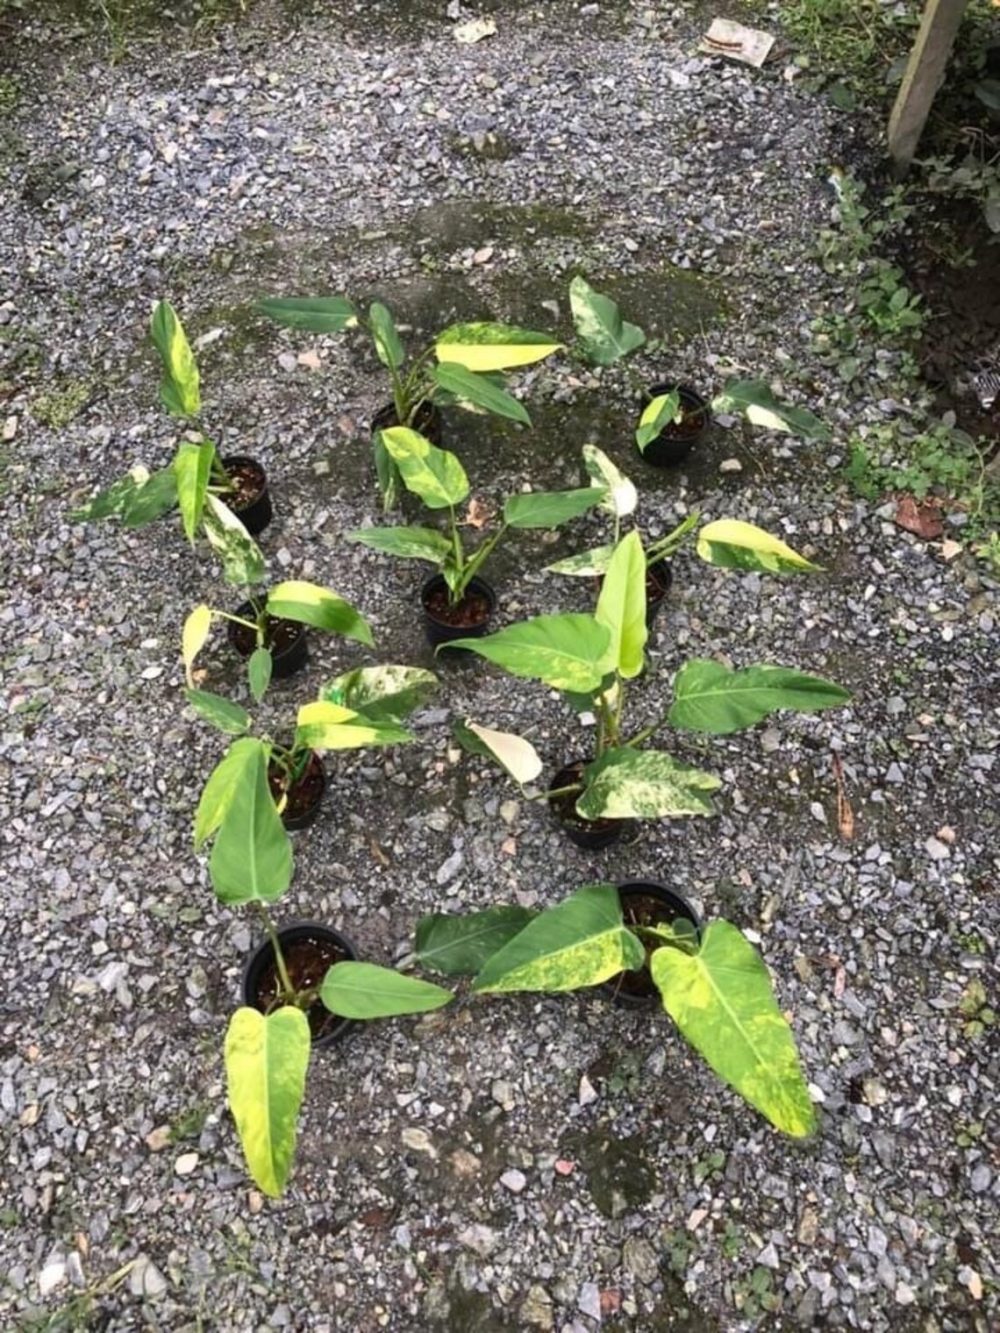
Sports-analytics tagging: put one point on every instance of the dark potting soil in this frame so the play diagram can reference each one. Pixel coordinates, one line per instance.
(279, 635)
(304, 793)
(306, 961)
(638, 910)
(248, 481)
(565, 806)
(656, 589)
(472, 610)
(688, 424)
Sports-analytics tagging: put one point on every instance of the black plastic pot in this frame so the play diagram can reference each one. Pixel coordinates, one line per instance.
(638, 988)
(428, 421)
(439, 631)
(676, 440)
(592, 834)
(286, 659)
(316, 774)
(304, 972)
(256, 513)
(658, 581)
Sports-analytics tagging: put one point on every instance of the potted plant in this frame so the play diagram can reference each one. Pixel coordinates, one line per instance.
(226, 499)
(458, 368)
(712, 982)
(590, 658)
(268, 629)
(456, 601)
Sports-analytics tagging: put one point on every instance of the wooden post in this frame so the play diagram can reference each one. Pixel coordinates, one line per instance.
(924, 73)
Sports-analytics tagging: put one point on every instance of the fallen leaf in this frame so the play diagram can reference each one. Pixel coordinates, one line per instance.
(509, 847)
(564, 1167)
(921, 517)
(845, 815)
(309, 359)
(474, 31)
(946, 833)
(839, 983)
(477, 515)
(949, 548)
(378, 853)
(611, 1301)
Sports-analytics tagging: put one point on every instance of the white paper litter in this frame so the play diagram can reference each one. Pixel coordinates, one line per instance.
(733, 40)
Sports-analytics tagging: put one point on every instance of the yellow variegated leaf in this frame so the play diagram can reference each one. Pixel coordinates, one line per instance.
(729, 543)
(197, 628)
(487, 346)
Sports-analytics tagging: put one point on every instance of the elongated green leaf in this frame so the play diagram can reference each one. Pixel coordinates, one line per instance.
(365, 990)
(729, 543)
(585, 564)
(259, 668)
(324, 725)
(242, 560)
(266, 1062)
(390, 350)
(513, 753)
(115, 499)
(621, 606)
(433, 474)
(197, 628)
(479, 392)
(408, 543)
(487, 346)
(230, 718)
(192, 469)
(568, 652)
(460, 944)
(179, 388)
(722, 1001)
(316, 314)
(386, 474)
(580, 943)
(150, 500)
(252, 857)
(218, 791)
(606, 337)
(761, 407)
(381, 693)
(710, 697)
(548, 509)
(620, 496)
(658, 412)
(312, 605)
(644, 784)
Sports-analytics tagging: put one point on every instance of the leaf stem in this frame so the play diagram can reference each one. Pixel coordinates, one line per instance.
(279, 957)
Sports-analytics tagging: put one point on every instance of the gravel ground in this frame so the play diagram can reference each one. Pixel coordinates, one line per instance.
(360, 153)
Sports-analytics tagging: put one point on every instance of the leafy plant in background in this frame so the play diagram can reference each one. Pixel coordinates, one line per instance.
(458, 368)
(439, 480)
(715, 986)
(195, 482)
(591, 658)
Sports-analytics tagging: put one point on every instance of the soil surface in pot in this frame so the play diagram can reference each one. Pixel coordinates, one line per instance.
(690, 422)
(303, 794)
(472, 610)
(279, 635)
(427, 420)
(640, 910)
(307, 961)
(248, 480)
(565, 806)
(656, 588)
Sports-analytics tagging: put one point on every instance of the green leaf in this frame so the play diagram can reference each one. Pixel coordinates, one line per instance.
(386, 474)
(988, 92)
(218, 791)
(179, 388)
(433, 474)
(657, 414)
(722, 1001)
(620, 496)
(324, 725)
(568, 652)
(252, 857)
(480, 392)
(197, 628)
(729, 543)
(390, 350)
(259, 669)
(755, 400)
(266, 1061)
(192, 469)
(310, 604)
(488, 346)
(582, 942)
(644, 784)
(115, 499)
(408, 543)
(621, 606)
(316, 314)
(242, 560)
(381, 693)
(548, 509)
(514, 754)
(365, 990)
(585, 564)
(605, 335)
(150, 500)
(711, 697)
(230, 718)
(460, 944)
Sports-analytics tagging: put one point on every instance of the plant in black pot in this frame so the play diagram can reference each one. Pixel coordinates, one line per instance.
(269, 629)
(460, 367)
(591, 659)
(225, 499)
(711, 980)
(456, 601)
